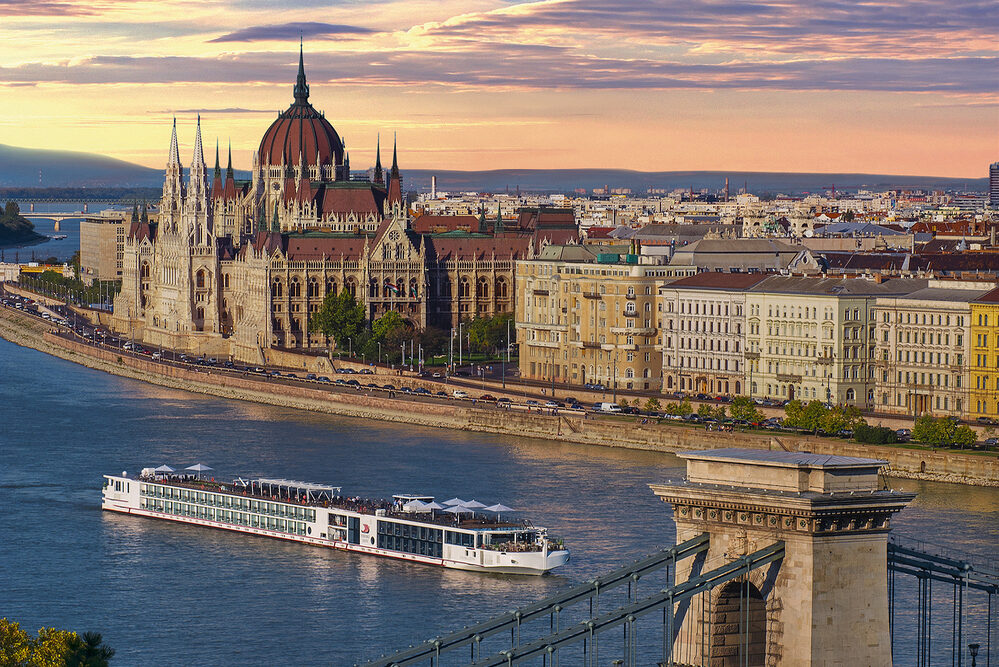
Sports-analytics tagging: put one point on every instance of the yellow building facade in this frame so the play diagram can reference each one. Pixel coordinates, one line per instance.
(580, 321)
(984, 355)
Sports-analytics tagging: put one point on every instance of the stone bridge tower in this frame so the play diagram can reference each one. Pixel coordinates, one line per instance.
(826, 602)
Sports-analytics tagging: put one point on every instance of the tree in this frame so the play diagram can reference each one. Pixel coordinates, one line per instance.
(623, 403)
(51, 648)
(942, 432)
(653, 405)
(90, 651)
(874, 435)
(340, 317)
(704, 410)
(744, 408)
(718, 412)
(488, 334)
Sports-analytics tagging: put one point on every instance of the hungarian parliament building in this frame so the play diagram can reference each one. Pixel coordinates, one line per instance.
(232, 267)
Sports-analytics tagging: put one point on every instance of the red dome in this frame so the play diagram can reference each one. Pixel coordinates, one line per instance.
(301, 130)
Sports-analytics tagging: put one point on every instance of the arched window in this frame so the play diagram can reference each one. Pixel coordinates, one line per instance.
(483, 289)
(200, 278)
(413, 288)
(501, 288)
(225, 280)
(313, 288)
(373, 288)
(144, 270)
(851, 395)
(295, 289)
(199, 313)
(331, 288)
(463, 288)
(351, 287)
(277, 289)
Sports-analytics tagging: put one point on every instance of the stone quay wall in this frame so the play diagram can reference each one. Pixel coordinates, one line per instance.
(624, 432)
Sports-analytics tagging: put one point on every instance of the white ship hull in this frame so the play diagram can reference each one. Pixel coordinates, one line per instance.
(122, 495)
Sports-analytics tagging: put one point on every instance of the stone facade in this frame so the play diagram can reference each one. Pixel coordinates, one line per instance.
(232, 268)
(921, 356)
(826, 601)
(102, 246)
(580, 321)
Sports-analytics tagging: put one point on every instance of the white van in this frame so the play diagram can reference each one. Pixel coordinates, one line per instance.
(607, 407)
(458, 393)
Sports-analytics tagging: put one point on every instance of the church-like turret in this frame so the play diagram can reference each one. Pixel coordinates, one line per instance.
(395, 180)
(173, 182)
(379, 177)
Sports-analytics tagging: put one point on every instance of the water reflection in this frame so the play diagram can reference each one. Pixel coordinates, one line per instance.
(145, 583)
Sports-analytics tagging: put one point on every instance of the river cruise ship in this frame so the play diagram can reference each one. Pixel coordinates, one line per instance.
(464, 535)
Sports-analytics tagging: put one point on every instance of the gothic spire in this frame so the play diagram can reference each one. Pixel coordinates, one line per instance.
(228, 169)
(378, 161)
(395, 163)
(483, 226)
(145, 213)
(199, 153)
(301, 87)
(218, 170)
(174, 159)
(498, 227)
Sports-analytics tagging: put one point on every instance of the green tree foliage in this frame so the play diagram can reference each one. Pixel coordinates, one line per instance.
(679, 409)
(653, 405)
(50, 648)
(88, 651)
(718, 412)
(743, 408)
(488, 334)
(14, 227)
(874, 435)
(340, 318)
(815, 416)
(623, 402)
(705, 410)
(57, 285)
(942, 432)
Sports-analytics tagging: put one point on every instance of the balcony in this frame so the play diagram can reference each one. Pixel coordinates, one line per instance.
(752, 355)
(630, 297)
(788, 377)
(634, 331)
(590, 295)
(540, 292)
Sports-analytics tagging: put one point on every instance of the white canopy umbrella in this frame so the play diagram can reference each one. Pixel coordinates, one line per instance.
(433, 506)
(414, 506)
(498, 507)
(457, 509)
(474, 504)
(199, 468)
(164, 468)
(454, 501)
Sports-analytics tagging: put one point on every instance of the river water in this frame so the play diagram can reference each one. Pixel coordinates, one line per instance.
(163, 593)
(61, 249)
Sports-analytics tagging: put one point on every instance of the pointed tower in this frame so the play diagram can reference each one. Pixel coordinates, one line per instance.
(229, 186)
(173, 184)
(498, 227)
(217, 177)
(483, 225)
(198, 182)
(395, 180)
(379, 177)
(275, 221)
(301, 87)
(144, 218)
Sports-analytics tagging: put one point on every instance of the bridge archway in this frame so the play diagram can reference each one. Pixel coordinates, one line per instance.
(739, 626)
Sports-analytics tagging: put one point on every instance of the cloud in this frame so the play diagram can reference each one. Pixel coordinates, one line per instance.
(527, 67)
(46, 8)
(291, 31)
(227, 110)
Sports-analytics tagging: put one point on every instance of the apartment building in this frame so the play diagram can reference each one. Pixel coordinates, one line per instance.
(813, 338)
(983, 358)
(585, 317)
(102, 245)
(702, 320)
(923, 342)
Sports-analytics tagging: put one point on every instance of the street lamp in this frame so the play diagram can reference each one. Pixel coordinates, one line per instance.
(350, 347)
(379, 352)
(973, 650)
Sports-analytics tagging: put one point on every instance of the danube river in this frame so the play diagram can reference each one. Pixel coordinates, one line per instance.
(163, 593)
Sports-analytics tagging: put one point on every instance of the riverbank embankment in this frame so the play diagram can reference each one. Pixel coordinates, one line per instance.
(612, 431)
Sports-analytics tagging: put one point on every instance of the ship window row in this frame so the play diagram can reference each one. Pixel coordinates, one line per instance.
(406, 530)
(466, 540)
(410, 545)
(225, 516)
(228, 502)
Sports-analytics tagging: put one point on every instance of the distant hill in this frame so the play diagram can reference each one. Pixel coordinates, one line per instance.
(19, 167)
(567, 180)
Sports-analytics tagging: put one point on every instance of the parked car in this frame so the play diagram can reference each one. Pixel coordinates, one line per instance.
(903, 434)
(503, 400)
(311, 376)
(487, 397)
(607, 407)
(986, 421)
(458, 393)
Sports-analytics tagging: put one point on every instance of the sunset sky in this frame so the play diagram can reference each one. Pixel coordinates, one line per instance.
(901, 87)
